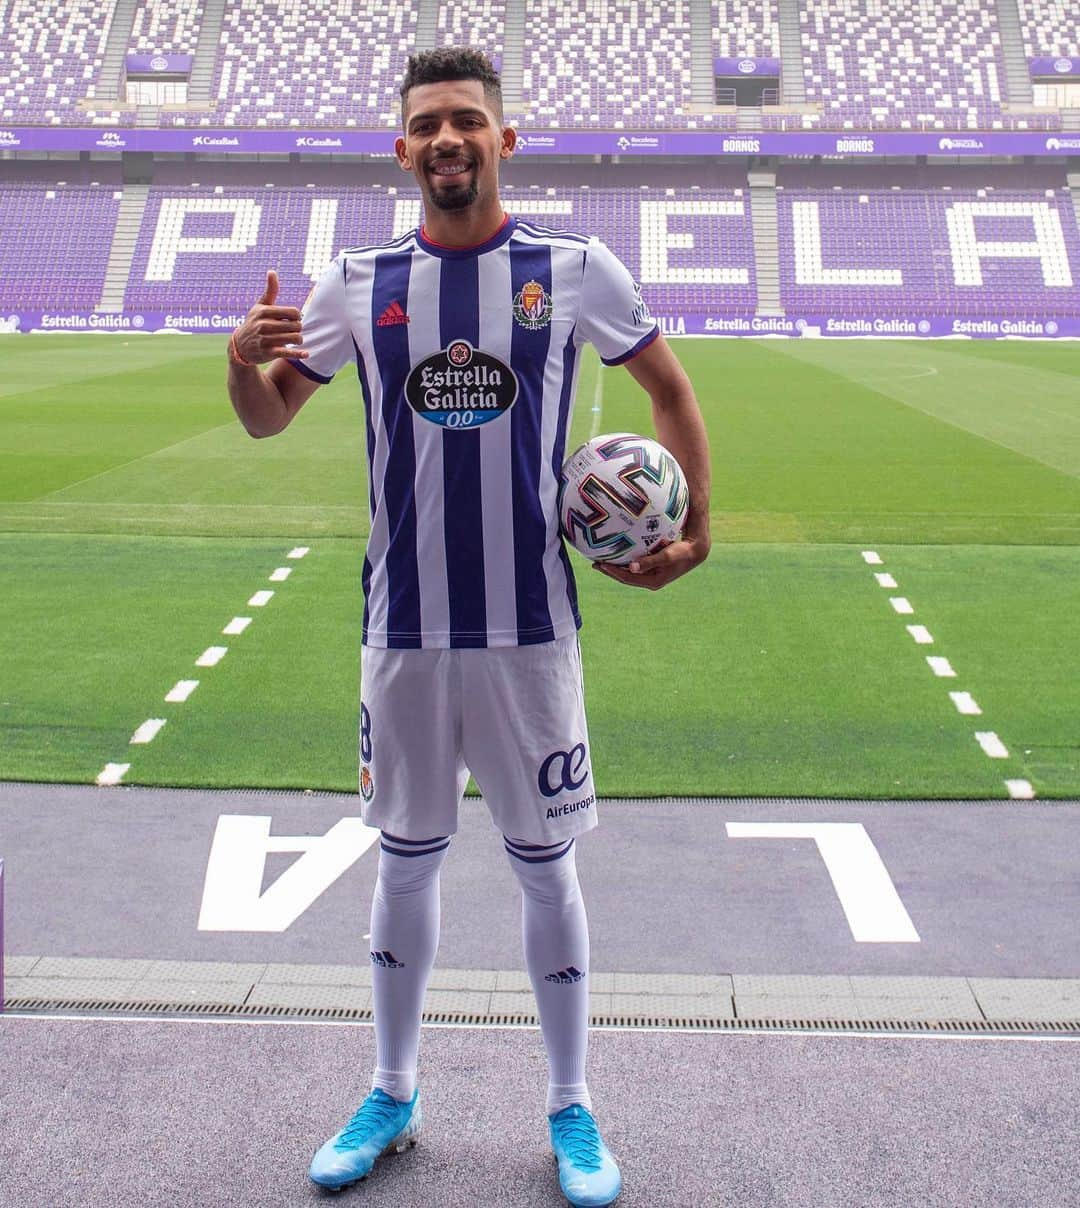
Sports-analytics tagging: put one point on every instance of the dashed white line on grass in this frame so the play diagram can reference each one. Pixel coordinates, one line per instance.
(147, 731)
(885, 580)
(873, 558)
(921, 634)
(237, 625)
(299, 551)
(112, 773)
(965, 703)
(211, 656)
(1020, 790)
(181, 690)
(281, 574)
(991, 744)
(901, 605)
(941, 667)
(259, 599)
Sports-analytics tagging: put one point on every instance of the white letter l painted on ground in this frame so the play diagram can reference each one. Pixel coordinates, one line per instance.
(867, 894)
(234, 872)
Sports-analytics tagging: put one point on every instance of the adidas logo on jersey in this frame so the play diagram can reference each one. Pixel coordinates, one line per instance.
(569, 974)
(392, 316)
(386, 960)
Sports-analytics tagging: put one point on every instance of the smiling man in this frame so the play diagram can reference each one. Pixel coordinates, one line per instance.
(466, 335)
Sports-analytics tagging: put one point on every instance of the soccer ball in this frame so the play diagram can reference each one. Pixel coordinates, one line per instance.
(622, 496)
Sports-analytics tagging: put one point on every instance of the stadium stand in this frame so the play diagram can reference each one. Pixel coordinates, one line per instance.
(934, 66)
(49, 58)
(1050, 27)
(62, 250)
(166, 27)
(745, 27)
(945, 248)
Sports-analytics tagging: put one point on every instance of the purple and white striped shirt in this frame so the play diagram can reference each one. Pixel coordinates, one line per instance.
(468, 362)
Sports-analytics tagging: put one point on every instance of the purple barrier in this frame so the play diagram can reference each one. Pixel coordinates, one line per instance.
(158, 64)
(1, 936)
(541, 142)
(1059, 66)
(746, 66)
(693, 324)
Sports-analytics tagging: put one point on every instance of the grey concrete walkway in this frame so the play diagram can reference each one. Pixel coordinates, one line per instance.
(111, 1114)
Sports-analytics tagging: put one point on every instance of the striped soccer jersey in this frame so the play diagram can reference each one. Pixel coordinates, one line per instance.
(468, 362)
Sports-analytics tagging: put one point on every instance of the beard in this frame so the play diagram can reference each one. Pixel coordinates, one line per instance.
(457, 197)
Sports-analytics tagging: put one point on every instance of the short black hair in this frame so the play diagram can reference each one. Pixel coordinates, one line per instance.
(452, 63)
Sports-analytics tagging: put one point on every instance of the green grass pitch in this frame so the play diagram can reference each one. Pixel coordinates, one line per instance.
(137, 518)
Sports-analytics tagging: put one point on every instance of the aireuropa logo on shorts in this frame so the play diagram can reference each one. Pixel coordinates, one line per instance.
(854, 146)
(461, 387)
(563, 771)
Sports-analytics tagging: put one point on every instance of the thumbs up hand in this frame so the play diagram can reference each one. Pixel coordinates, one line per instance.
(269, 331)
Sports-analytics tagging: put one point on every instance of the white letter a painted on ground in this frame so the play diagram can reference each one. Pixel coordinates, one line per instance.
(232, 900)
(874, 911)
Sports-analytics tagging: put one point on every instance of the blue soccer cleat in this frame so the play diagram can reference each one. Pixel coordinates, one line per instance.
(382, 1124)
(588, 1175)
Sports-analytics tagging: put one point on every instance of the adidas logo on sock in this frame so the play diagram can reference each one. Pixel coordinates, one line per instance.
(386, 960)
(565, 975)
(392, 316)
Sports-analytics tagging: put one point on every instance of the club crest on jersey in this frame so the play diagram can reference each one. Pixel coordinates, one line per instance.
(367, 785)
(532, 306)
(461, 387)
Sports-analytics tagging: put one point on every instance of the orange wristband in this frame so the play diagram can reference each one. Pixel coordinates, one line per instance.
(234, 353)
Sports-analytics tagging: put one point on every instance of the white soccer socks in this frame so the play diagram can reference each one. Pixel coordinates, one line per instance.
(556, 938)
(404, 940)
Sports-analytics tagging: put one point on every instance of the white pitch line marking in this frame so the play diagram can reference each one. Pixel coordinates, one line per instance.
(281, 574)
(182, 690)
(259, 599)
(299, 551)
(237, 625)
(921, 634)
(146, 732)
(211, 656)
(1020, 790)
(965, 703)
(871, 557)
(111, 773)
(991, 744)
(901, 605)
(941, 667)
(885, 580)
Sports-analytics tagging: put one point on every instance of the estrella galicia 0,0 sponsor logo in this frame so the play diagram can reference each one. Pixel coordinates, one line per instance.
(461, 387)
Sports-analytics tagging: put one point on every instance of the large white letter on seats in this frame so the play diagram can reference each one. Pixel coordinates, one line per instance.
(809, 270)
(968, 251)
(322, 223)
(234, 873)
(867, 894)
(169, 242)
(656, 240)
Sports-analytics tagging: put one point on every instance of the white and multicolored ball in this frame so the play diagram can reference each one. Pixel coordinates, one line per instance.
(622, 496)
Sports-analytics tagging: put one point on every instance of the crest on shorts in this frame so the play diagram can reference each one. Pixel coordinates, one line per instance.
(532, 306)
(367, 785)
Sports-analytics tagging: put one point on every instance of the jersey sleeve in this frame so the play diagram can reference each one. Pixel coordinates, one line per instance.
(325, 327)
(614, 317)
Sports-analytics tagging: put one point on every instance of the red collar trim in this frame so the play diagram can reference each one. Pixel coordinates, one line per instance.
(468, 248)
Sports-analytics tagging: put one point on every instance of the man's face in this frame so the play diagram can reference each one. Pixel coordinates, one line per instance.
(453, 143)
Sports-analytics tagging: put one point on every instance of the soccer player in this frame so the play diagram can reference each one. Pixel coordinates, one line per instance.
(466, 336)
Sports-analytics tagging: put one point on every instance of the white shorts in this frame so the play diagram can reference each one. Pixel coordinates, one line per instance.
(514, 716)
